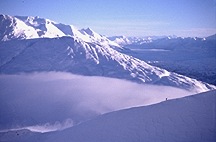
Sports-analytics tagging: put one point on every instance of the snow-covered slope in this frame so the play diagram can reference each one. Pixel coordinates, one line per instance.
(186, 119)
(93, 36)
(78, 51)
(121, 40)
(27, 27)
(193, 57)
(73, 55)
(12, 28)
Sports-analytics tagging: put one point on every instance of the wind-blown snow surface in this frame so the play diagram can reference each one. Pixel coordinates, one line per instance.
(47, 98)
(189, 119)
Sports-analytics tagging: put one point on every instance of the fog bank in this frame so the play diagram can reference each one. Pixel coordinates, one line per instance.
(39, 98)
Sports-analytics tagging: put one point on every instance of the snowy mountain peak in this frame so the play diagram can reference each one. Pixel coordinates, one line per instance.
(34, 21)
(81, 52)
(13, 28)
(123, 40)
(97, 38)
(28, 27)
(2, 16)
(90, 32)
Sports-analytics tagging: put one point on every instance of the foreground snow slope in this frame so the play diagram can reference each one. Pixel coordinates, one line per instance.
(73, 55)
(189, 119)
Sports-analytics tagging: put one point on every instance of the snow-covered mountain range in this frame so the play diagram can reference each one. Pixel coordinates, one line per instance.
(25, 27)
(186, 119)
(50, 46)
(123, 40)
(37, 96)
(193, 57)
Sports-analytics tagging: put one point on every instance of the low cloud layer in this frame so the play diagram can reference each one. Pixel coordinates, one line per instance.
(51, 127)
(37, 98)
(47, 127)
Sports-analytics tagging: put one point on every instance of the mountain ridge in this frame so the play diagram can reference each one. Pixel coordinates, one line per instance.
(28, 27)
(59, 47)
(76, 56)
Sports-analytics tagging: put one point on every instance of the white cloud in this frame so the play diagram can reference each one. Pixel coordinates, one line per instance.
(33, 99)
(47, 127)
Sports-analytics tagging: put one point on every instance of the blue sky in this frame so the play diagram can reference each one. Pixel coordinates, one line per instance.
(124, 17)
